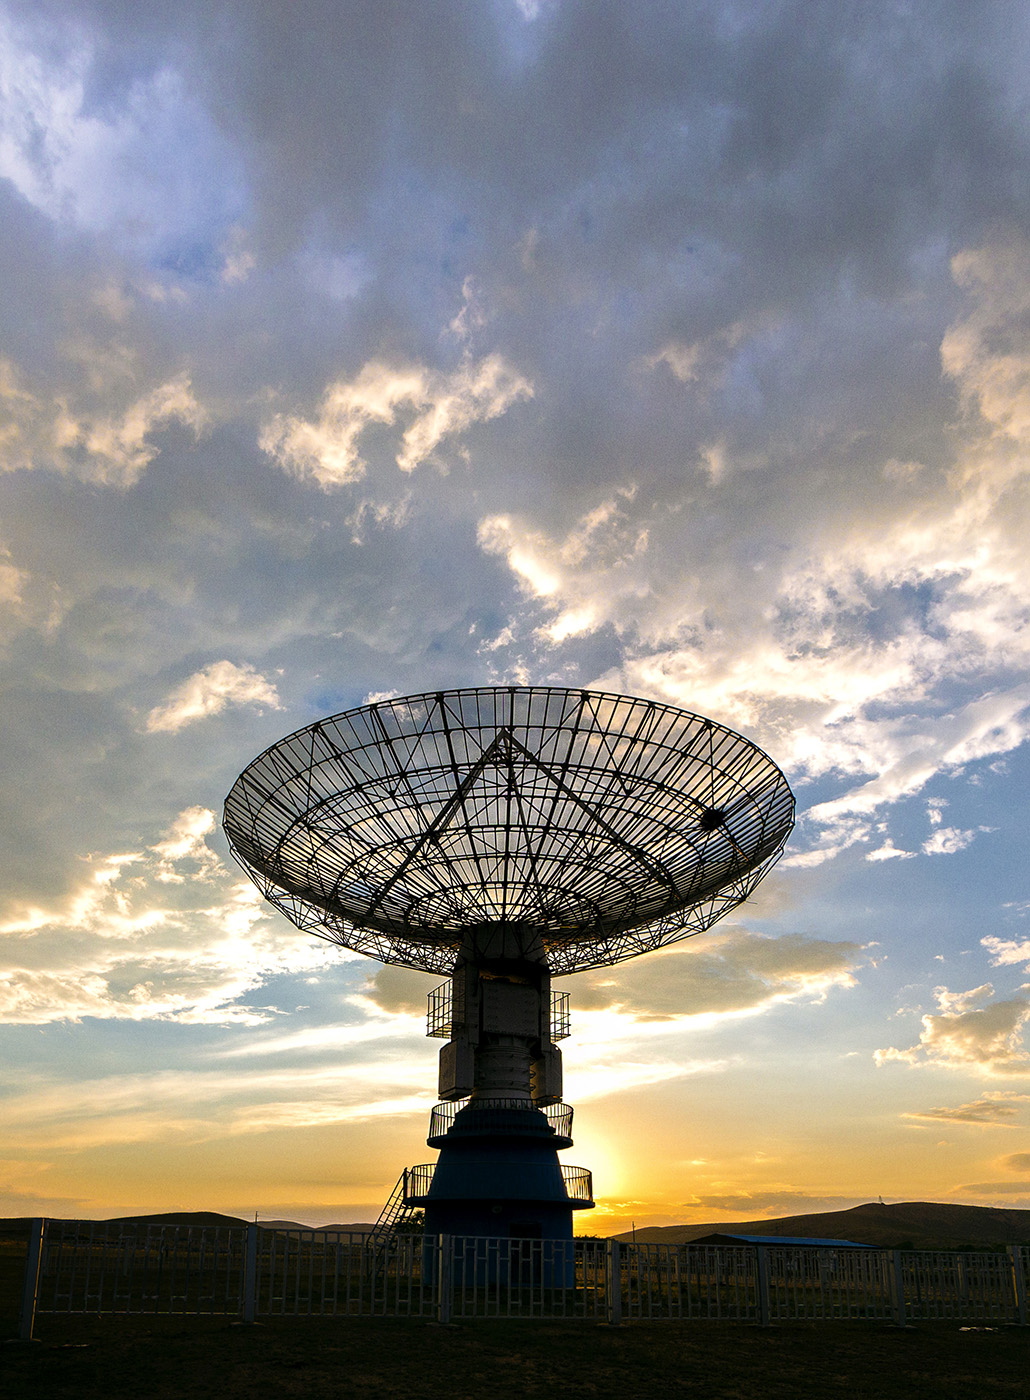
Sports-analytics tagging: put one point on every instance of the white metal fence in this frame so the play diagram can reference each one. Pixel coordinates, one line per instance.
(254, 1271)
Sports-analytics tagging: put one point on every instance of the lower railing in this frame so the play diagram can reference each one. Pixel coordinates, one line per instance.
(578, 1182)
(255, 1271)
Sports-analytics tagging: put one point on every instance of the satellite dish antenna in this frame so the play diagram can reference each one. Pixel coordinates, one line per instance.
(503, 836)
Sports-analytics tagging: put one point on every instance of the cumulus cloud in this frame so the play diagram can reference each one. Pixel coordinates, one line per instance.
(185, 840)
(439, 405)
(111, 448)
(970, 1030)
(587, 569)
(1016, 1162)
(946, 840)
(209, 692)
(888, 851)
(986, 351)
(164, 932)
(1006, 952)
(833, 649)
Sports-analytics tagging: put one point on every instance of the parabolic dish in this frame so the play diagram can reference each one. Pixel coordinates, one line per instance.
(611, 825)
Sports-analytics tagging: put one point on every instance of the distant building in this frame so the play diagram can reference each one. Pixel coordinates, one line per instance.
(790, 1241)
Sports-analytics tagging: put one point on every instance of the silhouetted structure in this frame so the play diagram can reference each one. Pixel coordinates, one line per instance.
(503, 836)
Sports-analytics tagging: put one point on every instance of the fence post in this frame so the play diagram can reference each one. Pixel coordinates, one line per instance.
(445, 1260)
(250, 1274)
(898, 1288)
(30, 1291)
(614, 1283)
(762, 1275)
(1015, 1253)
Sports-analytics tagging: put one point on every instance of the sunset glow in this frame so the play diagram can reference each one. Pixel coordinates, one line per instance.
(681, 352)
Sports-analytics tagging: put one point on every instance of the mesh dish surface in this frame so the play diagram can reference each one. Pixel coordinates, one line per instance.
(610, 825)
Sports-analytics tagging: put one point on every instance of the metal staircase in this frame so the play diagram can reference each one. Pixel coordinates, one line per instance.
(397, 1213)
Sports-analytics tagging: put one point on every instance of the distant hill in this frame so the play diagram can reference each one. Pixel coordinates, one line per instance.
(17, 1228)
(350, 1226)
(919, 1224)
(179, 1217)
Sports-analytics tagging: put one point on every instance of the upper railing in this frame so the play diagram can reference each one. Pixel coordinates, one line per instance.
(560, 1022)
(559, 1115)
(440, 1019)
(443, 1018)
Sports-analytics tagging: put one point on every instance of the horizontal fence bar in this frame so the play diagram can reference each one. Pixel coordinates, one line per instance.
(264, 1271)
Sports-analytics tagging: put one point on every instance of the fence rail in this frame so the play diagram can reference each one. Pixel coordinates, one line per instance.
(256, 1271)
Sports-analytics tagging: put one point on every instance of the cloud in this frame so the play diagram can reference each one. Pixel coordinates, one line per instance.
(209, 692)
(888, 851)
(946, 840)
(12, 583)
(848, 648)
(970, 1031)
(596, 354)
(587, 569)
(997, 1188)
(149, 172)
(111, 448)
(1016, 1162)
(199, 1104)
(161, 933)
(399, 990)
(981, 352)
(996, 724)
(1006, 952)
(731, 972)
(752, 1204)
(186, 841)
(992, 1109)
(325, 449)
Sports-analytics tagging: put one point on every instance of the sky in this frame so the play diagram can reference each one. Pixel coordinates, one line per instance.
(680, 350)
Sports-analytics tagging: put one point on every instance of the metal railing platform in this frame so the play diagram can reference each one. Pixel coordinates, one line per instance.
(558, 1115)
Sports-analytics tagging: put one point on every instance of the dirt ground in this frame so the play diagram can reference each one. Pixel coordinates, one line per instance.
(167, 1359)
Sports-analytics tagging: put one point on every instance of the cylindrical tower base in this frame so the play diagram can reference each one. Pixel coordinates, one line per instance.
(498, 1179)
(498, 1174)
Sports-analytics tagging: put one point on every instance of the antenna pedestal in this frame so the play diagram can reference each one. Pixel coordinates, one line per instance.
(497, 1011)
(498, 1172)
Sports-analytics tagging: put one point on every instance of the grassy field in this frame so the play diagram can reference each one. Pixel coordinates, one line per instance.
(168, 1359)
(139, 1358)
